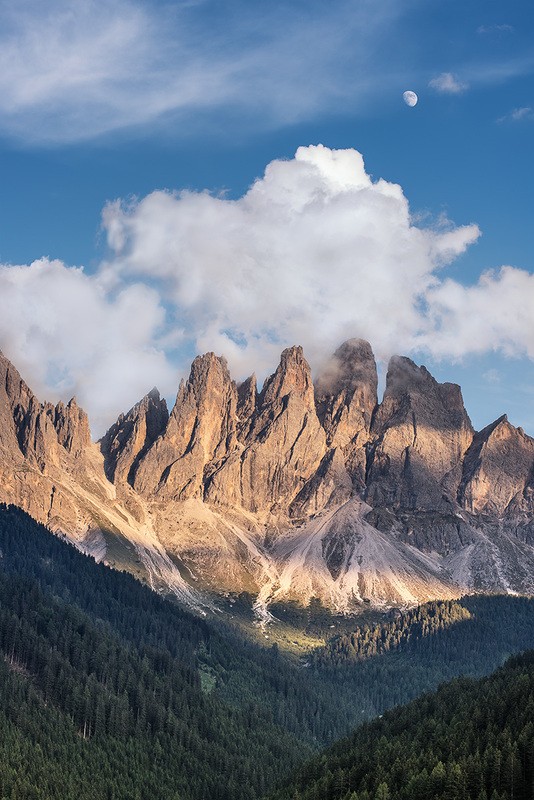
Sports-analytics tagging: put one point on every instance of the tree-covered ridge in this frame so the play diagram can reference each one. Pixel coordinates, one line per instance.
(244, 676)
(402, 631)
(113, 691)
(136, 716)
(470, 740)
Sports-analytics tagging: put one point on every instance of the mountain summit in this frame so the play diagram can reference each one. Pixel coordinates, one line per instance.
(301, 490)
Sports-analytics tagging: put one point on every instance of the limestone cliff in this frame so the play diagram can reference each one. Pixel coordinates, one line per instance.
(293, 492)
(420, 433)
(127, 441)
(346, 397)
(283, 448)
(202, 429)
(498, 471)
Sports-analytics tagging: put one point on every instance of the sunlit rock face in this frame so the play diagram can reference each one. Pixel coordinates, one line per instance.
(307, 488)
(498, 475)
(201, 429)
(283, 448)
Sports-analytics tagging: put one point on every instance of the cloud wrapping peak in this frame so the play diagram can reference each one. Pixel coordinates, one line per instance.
(313, 253)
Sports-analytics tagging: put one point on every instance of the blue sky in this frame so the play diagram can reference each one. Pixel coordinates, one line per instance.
(117, 101)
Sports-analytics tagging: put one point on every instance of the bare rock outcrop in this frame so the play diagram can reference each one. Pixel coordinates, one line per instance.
(72, 427)
(498, 471)
(41, 445)
(127, 441)
(421, 432)
(291, 493)
(27, 431)
(346, 397)
(284, 446)
(201, 429)
(247, 401)
(329, 486)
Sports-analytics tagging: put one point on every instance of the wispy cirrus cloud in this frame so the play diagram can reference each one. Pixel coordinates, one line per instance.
(496, 28)
(520, 114)
(447, 83)
(71, 70)
(75, 70)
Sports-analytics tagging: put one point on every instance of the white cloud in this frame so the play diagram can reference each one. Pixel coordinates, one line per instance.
(68, 336)
(492, 376)
(518, 115)
(496, 314)
(447, 83)
(315, 252)
(502, 28)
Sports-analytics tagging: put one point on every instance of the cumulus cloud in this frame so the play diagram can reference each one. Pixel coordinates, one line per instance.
(447, 83)
(315, 252)
(496, 314)
(69, 336)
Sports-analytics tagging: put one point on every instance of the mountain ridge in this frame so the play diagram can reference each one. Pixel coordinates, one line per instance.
(305, 489)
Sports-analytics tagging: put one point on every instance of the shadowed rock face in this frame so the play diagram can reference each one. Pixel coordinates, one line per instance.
(421, 432)
(345, 395)
(127, 441)
(247, 401)
(294, 492)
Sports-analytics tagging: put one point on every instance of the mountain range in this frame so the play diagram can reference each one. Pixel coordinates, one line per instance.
(305, 489)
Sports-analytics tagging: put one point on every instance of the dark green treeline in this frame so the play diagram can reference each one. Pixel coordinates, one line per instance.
(471, 740)
(111, 691)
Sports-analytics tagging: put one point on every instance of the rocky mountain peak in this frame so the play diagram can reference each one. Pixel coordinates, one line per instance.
(345, 397)
(208, 372)
(411, 389)
(498, 471)
(15, 400)
(247, 401)
(72, 427)
(284, 445)
(292, 376)
(202, 428)
(297, 492)
(352, 365)
(132, 435)
(421, 432)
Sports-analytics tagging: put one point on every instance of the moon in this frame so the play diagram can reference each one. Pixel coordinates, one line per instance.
(410, 98)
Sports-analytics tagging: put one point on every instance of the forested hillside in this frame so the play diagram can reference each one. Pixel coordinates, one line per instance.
(93, 707)
(113, 691)
(401, 632)
(470, 740)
